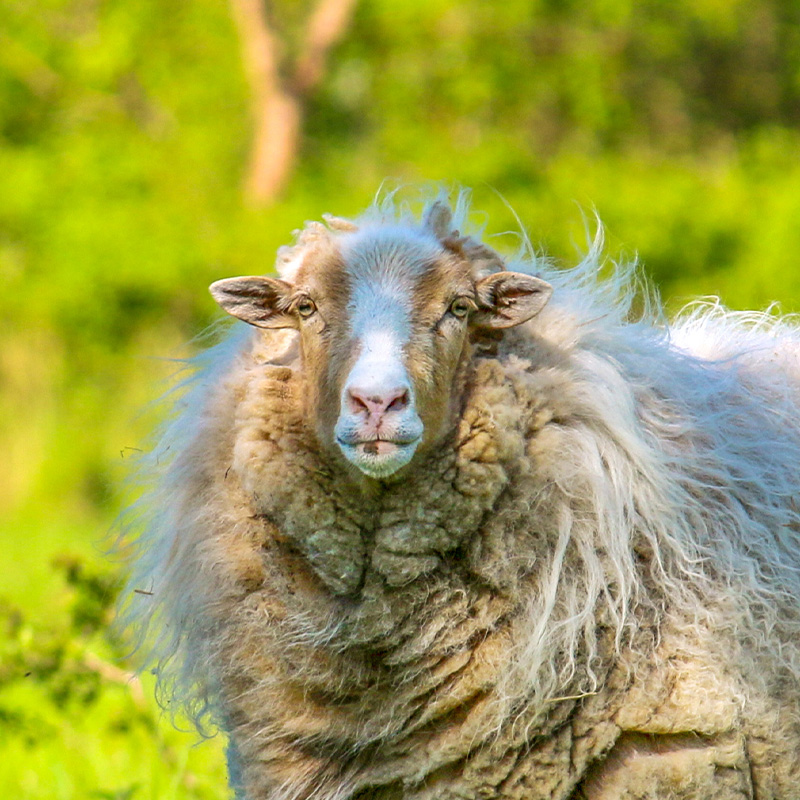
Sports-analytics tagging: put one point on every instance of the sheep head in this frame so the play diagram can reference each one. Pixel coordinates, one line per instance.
(386, 315)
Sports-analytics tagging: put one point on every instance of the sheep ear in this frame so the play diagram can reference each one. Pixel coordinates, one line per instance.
(259, 301)
(506, 299)
(438, 219)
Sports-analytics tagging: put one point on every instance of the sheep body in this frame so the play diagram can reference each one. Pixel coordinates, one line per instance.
(590, 591)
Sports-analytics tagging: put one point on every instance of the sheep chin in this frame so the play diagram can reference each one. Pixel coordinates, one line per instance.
(379, 459)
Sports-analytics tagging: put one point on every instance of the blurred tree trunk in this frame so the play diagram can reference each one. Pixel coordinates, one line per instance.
(280, 86)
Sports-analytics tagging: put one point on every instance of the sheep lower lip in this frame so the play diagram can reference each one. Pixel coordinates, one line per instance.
(379, 458)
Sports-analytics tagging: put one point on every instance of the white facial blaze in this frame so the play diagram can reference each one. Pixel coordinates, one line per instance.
(379, 367)
(378, 429)
(381, 329)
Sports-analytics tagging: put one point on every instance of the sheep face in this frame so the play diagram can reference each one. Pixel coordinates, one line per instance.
(386, 316)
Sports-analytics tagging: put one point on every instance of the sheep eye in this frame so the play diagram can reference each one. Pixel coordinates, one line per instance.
(460, 307)
(306, 307)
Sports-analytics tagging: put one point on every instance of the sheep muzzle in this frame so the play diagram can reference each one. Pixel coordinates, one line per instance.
(378, 428)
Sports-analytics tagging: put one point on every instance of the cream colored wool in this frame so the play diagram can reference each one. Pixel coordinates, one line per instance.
(591, 589)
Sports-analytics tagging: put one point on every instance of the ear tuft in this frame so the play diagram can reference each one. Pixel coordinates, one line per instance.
(506, 299)
(438, 219)
(339, 224)
(256, 300)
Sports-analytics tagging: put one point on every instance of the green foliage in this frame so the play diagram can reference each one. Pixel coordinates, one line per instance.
(75, 723)
(124, 135)
(54, 658)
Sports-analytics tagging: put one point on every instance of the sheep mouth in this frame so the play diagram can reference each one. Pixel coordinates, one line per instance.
(380, 447)
(377, 457)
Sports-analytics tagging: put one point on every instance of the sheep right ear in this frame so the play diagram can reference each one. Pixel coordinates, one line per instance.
(259, 301)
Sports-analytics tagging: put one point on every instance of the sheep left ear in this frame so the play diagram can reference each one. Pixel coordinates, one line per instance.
(506, 299)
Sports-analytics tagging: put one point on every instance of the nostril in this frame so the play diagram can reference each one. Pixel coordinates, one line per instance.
(376, 403)
(399, 402)
(357, 403)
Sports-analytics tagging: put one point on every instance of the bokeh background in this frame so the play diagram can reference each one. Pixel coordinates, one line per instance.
(148, 147)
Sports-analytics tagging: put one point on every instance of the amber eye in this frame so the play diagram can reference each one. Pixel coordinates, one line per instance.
(460, 307)
(306, 307)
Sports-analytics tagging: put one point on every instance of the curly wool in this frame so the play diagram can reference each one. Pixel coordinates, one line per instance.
(606, 548)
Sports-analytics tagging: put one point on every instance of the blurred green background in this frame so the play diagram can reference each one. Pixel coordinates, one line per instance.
(127, 185)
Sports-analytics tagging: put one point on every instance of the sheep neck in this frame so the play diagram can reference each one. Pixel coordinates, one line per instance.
(399, 531)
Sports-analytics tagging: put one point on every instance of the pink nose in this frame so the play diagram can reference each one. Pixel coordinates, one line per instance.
(376, 403)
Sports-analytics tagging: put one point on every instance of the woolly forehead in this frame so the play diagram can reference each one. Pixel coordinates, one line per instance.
(383, 276)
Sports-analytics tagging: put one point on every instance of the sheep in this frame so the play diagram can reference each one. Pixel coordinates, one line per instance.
(440, 524)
